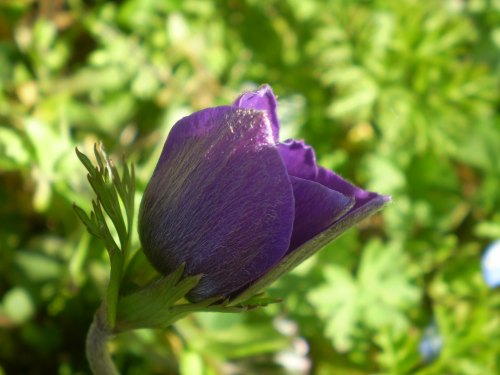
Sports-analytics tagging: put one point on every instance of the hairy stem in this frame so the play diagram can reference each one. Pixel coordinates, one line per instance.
(96, 345)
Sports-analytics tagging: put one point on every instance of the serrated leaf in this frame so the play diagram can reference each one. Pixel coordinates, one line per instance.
(153, 305)
(85, 161)
(337, 303)
(87, 221)
(98, 156)
(103, 229)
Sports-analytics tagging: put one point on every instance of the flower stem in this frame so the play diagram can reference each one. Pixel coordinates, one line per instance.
(96, 345)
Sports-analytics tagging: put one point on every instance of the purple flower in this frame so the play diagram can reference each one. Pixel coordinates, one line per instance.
(491, 264)
(230, 201)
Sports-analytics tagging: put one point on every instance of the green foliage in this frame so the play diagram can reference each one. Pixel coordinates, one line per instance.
(113, 191)
(379, 297)
(398, 96)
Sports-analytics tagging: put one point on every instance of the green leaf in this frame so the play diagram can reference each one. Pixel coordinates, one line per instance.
(105, 234)
(337, 302)
(37, 266)
(110, 189)
(14, 153)
(86, 162)
(100, 156)
(152, 305)
(18, 305)
(377, 297)
(87, 221)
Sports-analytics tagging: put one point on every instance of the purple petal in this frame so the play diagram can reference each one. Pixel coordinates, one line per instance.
(263, 99)
(299, 159)
(300, 162)
(306, 250)
(316, 208)
(334, 181)
(367, 202)
(220, 200)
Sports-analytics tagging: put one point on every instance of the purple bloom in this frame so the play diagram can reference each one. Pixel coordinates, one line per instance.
(491, 264)
(230, 201)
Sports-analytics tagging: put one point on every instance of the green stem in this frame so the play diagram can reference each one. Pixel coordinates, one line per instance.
(96, 345)
(115, 278)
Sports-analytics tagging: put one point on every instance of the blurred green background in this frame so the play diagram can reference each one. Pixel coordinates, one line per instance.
(399, 96)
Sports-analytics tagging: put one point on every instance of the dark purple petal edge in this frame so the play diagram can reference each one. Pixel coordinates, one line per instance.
(293, 259)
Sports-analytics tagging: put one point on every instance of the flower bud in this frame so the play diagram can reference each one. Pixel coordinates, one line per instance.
(230, 201)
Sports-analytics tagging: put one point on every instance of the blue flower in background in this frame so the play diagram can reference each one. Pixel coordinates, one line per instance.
(491, 264)
(431, 343)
